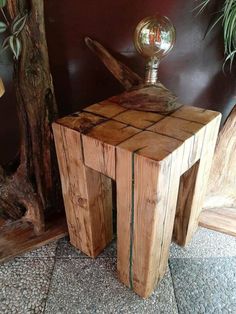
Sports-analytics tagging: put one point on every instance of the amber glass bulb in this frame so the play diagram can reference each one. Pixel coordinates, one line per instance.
(154, 38)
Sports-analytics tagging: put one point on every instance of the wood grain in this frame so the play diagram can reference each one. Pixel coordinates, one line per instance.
(156, 190)
(99, 145)
(221, 191)
(18, 237)
(195, 114)
(193, 187)
(154, 201)
(146, 200)
(151, 145)
(106, 109)
(160, 164)
(155, 98)
(184, 204)
(219, 219)
(86, 193)
(29, 184)
(124, 210)
(138, 119)
(177, 128)
(190, 134)
(81, 121)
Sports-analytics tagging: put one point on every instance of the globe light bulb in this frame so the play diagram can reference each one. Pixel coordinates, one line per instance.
(154, 38)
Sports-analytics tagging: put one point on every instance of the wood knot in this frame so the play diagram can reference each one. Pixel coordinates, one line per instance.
(82, 202)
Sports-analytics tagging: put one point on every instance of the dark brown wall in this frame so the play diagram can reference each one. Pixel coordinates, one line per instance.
(192, 70)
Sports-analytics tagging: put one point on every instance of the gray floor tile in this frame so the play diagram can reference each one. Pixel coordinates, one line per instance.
(24, 285)
(84, 285)
(206, 285)
(66, 250)
(45, 251)
(206, 243)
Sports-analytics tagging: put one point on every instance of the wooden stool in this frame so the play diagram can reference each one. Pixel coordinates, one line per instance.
(161, 166)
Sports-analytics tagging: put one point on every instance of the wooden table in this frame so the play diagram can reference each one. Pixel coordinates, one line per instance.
(160, 165)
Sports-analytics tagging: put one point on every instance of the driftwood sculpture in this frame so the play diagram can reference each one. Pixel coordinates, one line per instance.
(29, 185)
(220, 204)
(222, 183)
(137, 96)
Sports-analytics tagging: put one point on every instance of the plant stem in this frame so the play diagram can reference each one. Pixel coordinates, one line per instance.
(4, 15)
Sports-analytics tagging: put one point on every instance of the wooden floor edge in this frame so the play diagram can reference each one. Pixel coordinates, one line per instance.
(219, 219)
(19, 239)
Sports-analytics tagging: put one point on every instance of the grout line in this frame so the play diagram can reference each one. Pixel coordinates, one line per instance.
(95, 114)
(117, 114)
(85, 258)
(128, 138)
(162, 118)
(50, 283)
(166, 135)
(173, 285)
(185, 119)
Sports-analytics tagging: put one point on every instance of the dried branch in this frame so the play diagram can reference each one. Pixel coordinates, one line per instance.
(122, 73)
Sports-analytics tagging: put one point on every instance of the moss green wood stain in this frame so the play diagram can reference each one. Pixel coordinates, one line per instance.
(132, 226)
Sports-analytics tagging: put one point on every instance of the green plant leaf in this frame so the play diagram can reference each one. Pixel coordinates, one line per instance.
(227, 17)
(3, 27)
(15, 46)
(18, 24)
(230, 58)
(215, 23)
(3, 3)
(201, 6)
(5, 42)
(231, 29)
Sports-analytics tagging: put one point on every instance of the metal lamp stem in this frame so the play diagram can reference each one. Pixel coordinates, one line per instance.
(151, 75)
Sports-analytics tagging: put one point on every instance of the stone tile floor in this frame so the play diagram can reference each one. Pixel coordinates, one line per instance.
(57, 279)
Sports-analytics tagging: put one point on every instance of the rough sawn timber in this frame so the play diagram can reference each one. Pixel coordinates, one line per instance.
(220, 203)
(148, 155)
(18, 237)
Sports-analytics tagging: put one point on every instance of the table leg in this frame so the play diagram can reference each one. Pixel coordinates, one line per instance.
(146, 201)
(193, 185)
(87, 195)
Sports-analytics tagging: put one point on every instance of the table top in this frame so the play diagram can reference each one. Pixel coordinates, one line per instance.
(139, 131)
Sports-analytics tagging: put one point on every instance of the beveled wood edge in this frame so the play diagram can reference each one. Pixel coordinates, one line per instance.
(56, 228)
(219, 219)
(84, 132)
